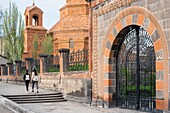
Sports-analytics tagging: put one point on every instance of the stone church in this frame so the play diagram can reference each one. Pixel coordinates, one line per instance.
(129, 48)
(70, 32)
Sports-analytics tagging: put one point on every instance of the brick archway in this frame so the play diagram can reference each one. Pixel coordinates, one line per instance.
(144, 18)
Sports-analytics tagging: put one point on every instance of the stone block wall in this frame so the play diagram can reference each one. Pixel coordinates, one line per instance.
(74, 85)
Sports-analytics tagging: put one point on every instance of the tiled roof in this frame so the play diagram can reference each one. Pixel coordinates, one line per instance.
(3, 60)
(71, 23)
(28, 8)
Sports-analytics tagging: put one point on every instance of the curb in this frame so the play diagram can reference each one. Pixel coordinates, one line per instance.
(13, 106)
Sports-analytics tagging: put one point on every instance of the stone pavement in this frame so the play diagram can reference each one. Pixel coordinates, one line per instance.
(56, 107)
(4, 109)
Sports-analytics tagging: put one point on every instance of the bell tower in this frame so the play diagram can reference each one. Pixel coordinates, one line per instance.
(34, 30)
(33, 16)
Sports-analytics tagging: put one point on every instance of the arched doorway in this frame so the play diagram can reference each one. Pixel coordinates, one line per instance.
(136, 69)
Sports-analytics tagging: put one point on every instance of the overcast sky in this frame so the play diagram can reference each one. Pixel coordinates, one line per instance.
(49, 7)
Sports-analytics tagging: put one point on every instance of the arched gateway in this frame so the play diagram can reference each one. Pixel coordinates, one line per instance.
(133, 60)
(136, 69)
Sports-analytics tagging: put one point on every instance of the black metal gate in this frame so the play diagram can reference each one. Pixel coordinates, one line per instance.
(136, 71)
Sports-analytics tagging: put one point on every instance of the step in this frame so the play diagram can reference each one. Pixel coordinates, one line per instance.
(43, 101)
(32, 96)
(35, 99)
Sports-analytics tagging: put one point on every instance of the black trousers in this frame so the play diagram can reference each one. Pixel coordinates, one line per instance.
(27, 84)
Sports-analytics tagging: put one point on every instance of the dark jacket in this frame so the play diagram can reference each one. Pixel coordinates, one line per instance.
(27, 77)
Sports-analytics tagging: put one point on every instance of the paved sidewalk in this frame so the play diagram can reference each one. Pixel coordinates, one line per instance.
(57, 107)
(17, 89)
(4, 109)
(71, 107)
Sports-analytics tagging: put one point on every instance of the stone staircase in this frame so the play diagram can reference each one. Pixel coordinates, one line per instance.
(36, 98)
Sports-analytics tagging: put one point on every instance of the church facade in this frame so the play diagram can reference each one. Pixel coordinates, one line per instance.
(71, 31)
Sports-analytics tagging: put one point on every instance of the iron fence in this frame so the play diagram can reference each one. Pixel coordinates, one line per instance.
(52, 63)
(23, 68)
(78, 61)
(36, 65)
(13, 70)
(5, 70)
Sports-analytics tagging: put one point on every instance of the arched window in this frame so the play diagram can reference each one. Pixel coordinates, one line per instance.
(35, 20)
(56, 40)
(71, 44)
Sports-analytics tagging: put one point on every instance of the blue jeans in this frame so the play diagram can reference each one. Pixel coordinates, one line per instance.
(36, 84)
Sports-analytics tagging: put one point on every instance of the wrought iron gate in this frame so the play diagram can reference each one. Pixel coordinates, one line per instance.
(136, 71)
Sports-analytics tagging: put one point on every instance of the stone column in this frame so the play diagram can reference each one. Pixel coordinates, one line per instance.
(10, 67)
(42, 63)
(29, 64)
(64, 53)
(61, 65)
(2, 69)
(2, 72)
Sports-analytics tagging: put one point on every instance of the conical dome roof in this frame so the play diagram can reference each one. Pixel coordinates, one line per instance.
(73, 16)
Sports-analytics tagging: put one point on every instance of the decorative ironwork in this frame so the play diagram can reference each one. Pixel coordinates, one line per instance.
(136, 71)
(78, 60)
(52, 63)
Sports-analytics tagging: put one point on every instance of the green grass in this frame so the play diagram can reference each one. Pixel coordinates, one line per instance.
(78, 67)
(52, 69)
(143, 89)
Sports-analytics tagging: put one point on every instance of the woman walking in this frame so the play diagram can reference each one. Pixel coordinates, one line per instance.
(34, 80)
